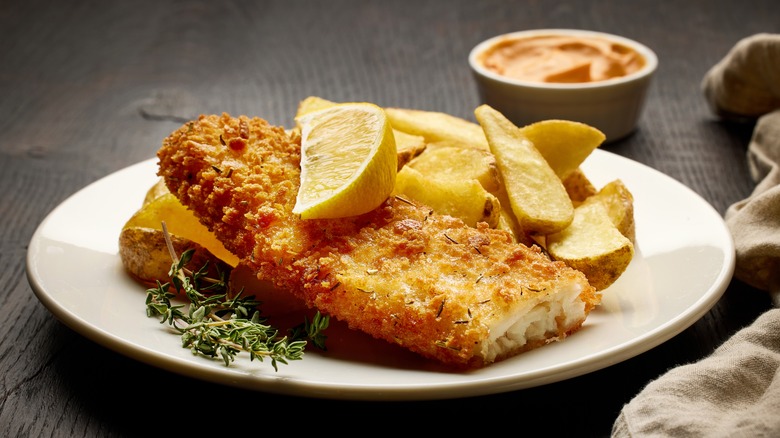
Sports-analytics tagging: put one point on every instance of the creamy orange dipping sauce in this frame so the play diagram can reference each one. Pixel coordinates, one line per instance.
(561, 59)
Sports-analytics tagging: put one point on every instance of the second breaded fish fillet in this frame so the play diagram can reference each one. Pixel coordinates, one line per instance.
(463, 296)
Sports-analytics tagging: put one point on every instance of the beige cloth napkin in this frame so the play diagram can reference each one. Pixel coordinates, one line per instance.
(735, 392)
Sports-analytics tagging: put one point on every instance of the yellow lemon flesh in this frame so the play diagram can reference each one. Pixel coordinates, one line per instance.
(348, 161)
(180, 222)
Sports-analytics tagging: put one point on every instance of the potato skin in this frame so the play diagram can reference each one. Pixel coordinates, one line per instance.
(593, 245)
(145, 255)
(619, 202)
(604, 269)
(578, 186)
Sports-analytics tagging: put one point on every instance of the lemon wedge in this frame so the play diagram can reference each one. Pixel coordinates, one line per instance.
(348, 161)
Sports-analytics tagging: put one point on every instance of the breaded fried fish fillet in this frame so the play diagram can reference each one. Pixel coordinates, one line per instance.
(464, 296)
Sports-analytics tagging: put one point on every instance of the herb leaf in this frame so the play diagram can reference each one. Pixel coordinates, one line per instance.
(222, 323)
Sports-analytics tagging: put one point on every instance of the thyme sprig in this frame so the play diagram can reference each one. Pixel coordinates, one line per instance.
(221, 323)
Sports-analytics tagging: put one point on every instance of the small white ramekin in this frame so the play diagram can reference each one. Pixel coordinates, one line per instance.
(613, 105)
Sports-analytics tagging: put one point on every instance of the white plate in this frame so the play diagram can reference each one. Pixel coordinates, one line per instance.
(684, 261)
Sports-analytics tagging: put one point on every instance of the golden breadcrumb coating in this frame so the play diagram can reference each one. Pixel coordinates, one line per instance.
(401, 273)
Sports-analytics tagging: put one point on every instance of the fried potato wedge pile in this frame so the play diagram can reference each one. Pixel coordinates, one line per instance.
(524, 180)
(533, 172)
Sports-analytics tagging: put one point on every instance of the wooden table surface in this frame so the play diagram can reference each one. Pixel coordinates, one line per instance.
(88, 88)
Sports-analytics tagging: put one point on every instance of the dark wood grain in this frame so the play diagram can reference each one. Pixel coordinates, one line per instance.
(88, 88)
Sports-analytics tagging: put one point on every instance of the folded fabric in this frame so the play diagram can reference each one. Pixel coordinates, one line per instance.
(735, 391)
(755, 222)
(744, 84)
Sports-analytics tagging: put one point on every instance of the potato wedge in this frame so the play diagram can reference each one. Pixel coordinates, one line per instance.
(451, 162)
(312, 103)
(592, 244)
(536, 194)
(507, 220)
(438, 128)
(464, 199)
(145, 255)
(578, 186)
(408, 145)
(563, 143)
(180, 223)
(619, 203)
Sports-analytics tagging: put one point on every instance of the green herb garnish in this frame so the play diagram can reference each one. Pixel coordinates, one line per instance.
(223, 323)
